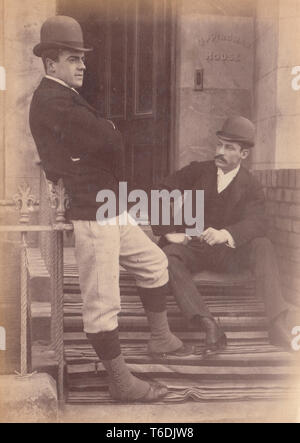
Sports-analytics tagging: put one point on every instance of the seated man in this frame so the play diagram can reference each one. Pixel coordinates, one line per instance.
(234, 235)
(76, 144)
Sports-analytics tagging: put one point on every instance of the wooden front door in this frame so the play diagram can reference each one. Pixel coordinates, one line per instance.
(128, 76)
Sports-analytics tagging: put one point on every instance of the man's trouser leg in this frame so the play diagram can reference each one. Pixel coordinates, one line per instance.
(97, 251)
(147, 262)
(263, 263)
(184, 261)
(260, 256)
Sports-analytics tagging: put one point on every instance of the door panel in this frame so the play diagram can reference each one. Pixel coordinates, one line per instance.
(144, 35)
(128, 77)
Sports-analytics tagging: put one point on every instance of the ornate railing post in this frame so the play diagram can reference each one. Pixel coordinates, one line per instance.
(25, 203)
(60, 202)
(51, 258)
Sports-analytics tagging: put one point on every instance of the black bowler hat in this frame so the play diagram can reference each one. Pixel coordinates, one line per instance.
(238, 129)
(60, 32)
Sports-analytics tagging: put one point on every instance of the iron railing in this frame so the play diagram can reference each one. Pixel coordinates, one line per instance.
(52, 205)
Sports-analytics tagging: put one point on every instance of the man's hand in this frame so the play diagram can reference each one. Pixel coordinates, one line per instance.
(214, 237)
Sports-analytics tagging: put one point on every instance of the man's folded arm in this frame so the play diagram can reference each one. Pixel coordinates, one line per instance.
(79, 128)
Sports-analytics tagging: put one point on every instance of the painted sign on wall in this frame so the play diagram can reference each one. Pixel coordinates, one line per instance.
(221, 46)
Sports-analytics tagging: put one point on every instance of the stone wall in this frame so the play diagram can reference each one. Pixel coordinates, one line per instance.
(282, 190)
(19, 30)
(276, 104)
(22, 21)
(222, 45)
(277, 117)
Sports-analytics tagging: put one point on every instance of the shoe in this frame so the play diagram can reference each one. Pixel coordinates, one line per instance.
(215, 347)
(156, 392)
(183, 351)
(216, 339)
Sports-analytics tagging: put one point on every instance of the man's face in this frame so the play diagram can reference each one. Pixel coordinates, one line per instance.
(229, 155)
(70, 68)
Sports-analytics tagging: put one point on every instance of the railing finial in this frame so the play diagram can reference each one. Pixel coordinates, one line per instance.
(59, 201)
(25, 202)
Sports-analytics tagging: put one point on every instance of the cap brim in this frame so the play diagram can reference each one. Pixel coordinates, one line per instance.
(38, 49)
(234, 138)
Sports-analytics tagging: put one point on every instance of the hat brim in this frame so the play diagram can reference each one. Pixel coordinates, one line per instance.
(41, 47)
(235, 138)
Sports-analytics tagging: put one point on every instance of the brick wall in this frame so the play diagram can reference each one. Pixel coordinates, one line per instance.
(282, 190)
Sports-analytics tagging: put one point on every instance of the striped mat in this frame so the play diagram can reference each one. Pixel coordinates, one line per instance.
(248, 369)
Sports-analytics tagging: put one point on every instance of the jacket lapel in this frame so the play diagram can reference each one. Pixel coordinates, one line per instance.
(209, 181)
(237, 192)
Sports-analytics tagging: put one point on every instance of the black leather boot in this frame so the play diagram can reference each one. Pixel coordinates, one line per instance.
(216, 339)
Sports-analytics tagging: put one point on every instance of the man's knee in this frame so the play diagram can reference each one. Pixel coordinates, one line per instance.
(155, 273)
(173, 251)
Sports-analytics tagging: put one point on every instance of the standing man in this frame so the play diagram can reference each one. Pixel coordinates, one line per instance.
(75, 144)
(234, 235)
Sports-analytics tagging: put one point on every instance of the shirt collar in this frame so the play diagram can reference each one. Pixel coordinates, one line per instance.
(230, 174)
(61, 82)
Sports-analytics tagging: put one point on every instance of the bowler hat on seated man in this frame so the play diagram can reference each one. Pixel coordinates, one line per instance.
(238, 129)
(60, 32)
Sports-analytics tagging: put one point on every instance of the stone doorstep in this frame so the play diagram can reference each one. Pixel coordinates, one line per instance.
(30, 399)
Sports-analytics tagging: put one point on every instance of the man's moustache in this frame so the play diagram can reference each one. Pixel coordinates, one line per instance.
(220, 157)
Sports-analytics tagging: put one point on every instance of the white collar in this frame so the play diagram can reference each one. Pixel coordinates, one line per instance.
(61, 82)
(229, 175)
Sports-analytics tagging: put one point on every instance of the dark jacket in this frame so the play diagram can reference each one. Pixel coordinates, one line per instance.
(65, 126)
(244, 215)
